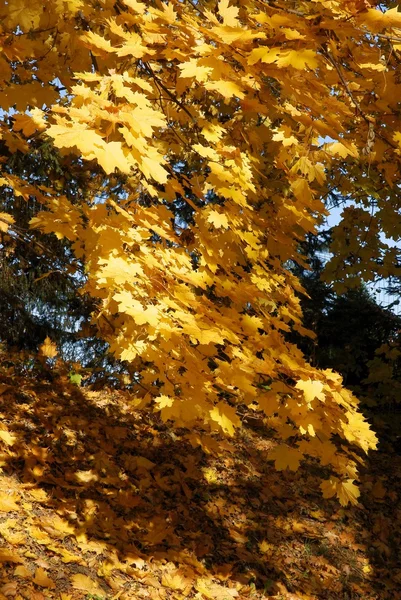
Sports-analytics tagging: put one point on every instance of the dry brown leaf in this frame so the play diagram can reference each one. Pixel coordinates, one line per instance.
(9, 588)
(37, 596)
(144, 463)
(378, 490)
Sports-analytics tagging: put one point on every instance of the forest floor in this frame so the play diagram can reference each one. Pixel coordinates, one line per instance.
(99, 502)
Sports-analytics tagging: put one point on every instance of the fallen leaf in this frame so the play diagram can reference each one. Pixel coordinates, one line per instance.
(144, 463)
(83, 583)
(214, 591)
(378, 490)
(7, 437)
(9, 589)
(8, 502)
(9, 556)
(43, 580)
(176, 580)
(22, 571)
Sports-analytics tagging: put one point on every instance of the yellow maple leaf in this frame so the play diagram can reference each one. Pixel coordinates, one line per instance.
(217, 219)
(378, 20)
(48, 348)
(264, 54)
(5, 221)
(228, 13)
(357, 430)
(118, 269)
(226, 417)
(311, 390)
(301, 190)
(285, 457)
(26, 16)
(206, 152)
(164, 401)
(298, 59)
(228, 89)
(340, 149)
(96, 42)
(284, 135)
(265, 547)
(192, 68)
(86, 476)
(346, 491)
(176, 579)
(138, 7)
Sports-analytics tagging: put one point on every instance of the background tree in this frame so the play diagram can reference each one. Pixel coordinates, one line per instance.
(355, 336)
(40, 278)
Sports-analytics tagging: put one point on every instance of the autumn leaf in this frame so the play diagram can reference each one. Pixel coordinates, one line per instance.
(22, 571)
(228, 13)
(176, 580)
(285, 458)
(48, 348)
(215, 591)
(9, 556)
(346, 491)
(5, 221)
(311, 390)
(42, 579)
(83, 583)
(218, 219)
(226, 417)
(9, 502)
(7, 438)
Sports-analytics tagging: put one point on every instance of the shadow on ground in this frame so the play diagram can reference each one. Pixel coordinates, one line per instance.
(97, 499)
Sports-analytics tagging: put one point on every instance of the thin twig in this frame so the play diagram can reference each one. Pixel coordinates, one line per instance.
(170, 94)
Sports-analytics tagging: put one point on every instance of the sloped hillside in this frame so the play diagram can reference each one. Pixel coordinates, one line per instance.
(99, 501)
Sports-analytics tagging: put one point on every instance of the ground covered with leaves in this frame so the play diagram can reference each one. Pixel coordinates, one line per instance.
(98, 501)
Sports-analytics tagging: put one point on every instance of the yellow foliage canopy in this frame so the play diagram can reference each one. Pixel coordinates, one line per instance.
(222, 106)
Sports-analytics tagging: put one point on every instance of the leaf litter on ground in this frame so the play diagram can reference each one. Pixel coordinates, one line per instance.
(99, 501)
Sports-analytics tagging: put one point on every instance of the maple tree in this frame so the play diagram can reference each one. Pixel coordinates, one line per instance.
(248, 113)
